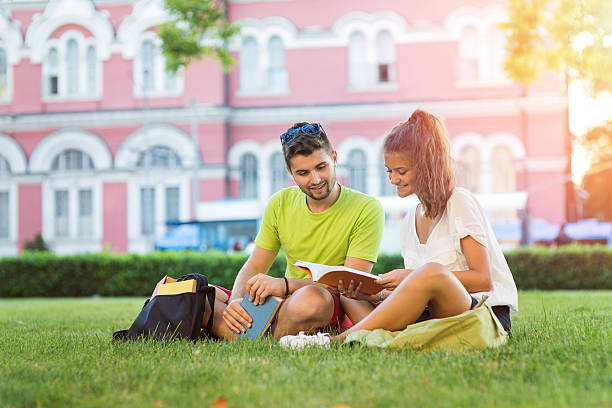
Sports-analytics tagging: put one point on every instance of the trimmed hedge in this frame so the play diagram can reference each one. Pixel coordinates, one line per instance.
(44, 274)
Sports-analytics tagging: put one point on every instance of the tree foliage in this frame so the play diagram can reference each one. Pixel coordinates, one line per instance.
(196, 28)
(573, 37)
(597, 182)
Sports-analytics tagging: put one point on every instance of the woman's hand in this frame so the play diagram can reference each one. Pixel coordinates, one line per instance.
(260, 286)
(391, 280)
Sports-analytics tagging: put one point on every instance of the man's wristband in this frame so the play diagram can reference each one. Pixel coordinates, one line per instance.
(286, 286)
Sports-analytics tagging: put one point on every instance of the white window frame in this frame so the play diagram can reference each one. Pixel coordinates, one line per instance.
(8, 246)
(9, 75)
(159, 179)
(371, 58)
(16, 158)
(251, 188)
(73, 182)
(277, 183)
(389, 59)
(483, 20)
(261, 70)
(61, 45)
(357, 169)
(281, 68)
(159, 75)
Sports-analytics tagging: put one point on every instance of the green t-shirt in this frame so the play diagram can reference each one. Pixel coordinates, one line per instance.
(352, 227)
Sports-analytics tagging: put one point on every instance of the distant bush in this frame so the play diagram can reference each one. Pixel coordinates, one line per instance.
(36, 244)
(46, 274)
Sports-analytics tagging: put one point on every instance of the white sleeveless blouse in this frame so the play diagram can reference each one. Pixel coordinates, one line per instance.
(463, 216)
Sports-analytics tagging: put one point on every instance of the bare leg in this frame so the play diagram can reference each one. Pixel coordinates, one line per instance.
(356, 310)
(307, 309)
(219, 328)
(431, 285)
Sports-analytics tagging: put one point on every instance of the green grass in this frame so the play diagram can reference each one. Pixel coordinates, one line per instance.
(57, 352)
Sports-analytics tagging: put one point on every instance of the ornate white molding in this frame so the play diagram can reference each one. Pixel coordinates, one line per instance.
(480, 18)
(62, 12)
(546, 164)
(89, 143)
(370, 24)
(12, 151)
(155, 135)
(11, 38)
(281, 114)
(145, 14)
(264, 29)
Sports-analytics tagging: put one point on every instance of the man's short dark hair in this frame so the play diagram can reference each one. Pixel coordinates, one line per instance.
(305, 144)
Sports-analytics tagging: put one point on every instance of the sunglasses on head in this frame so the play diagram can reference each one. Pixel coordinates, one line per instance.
(308, 129)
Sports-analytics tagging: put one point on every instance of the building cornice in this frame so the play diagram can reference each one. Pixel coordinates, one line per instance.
(536, 104)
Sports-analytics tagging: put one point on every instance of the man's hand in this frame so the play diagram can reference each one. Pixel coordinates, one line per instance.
(391, 280)
(260, 286)
(234, 314)
(353, 291)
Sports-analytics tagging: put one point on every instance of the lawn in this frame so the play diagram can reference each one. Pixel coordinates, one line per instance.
(57, 352)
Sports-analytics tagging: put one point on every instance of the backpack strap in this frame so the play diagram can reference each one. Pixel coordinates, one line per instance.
(210, 295)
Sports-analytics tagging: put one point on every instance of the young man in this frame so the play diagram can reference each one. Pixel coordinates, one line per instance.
(316, 221)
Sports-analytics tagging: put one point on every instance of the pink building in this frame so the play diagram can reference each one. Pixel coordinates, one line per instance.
(99, 146)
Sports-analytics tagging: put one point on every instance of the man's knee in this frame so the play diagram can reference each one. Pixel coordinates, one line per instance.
(310, 304)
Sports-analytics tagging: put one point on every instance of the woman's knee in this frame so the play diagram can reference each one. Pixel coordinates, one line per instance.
(432, 274)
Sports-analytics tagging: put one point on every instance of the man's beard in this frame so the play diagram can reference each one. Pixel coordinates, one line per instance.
(323, 195)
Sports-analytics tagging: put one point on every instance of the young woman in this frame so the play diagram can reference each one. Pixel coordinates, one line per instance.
(451, 257)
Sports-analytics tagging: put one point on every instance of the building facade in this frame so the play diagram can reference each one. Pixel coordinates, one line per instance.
(100, 146)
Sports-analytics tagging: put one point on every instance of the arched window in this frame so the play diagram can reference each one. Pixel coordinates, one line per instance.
(72, 67)
(72, 160)
(468, 169)
(277, 70)
(249, 64)
(158, 157)
(5, 167)
(4, 81)
(5, 170)
(357, 61)
(386, 188)
(92, 75)
(504, 174)
(148, 66)
(248, 176)
(278, 172)
(385, 57)
(469, 55)
(357, 166)
(52, 72)
(496, 42)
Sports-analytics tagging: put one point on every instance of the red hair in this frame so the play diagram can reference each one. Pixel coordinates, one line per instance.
(423, 141)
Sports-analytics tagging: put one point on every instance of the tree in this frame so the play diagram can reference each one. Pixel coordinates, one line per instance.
(196, 28)
(572, 37)
(598, 181)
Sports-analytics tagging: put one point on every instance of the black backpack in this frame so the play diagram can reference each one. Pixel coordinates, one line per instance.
(169, 317)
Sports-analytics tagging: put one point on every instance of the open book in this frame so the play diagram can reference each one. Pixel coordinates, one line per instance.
(331, 275)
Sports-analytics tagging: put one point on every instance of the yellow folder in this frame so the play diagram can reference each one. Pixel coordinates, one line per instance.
(174, 288)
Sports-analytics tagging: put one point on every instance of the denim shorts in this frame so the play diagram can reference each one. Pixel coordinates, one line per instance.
(501, 312)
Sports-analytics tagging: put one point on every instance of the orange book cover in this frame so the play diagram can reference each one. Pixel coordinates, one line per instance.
(331, 275)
